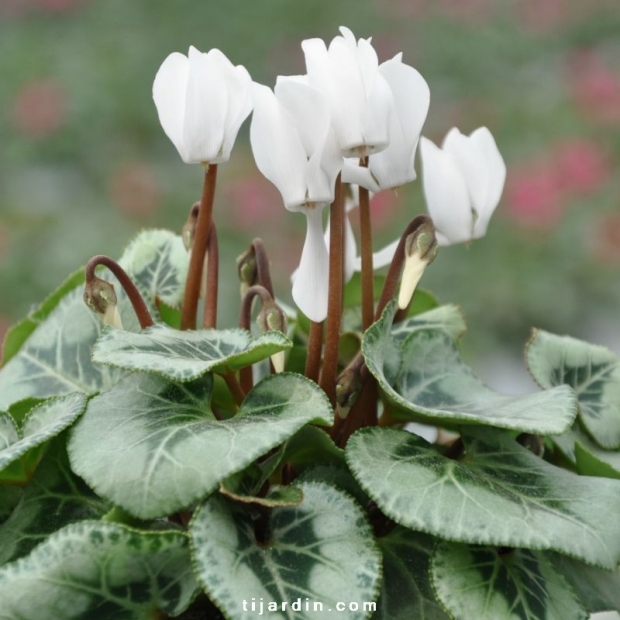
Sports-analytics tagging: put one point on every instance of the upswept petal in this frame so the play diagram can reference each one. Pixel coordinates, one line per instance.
(277, 149)
(377, 115)
(239, 106)
(205, 107)
(446, 194)
(471, 162)
(496, 171)
(169, 90)
(310, 287)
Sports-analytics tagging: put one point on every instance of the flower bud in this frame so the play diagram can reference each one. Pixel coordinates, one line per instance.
(348, 388)
(247, 270)
(189, 228)
(272, 318)
(420, 251)
(100, 297)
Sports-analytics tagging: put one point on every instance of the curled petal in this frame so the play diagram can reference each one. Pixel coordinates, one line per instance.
(446, 194)
(240, 106)
(277, 148)
(169, 90)
(358, 175)
(310, 287)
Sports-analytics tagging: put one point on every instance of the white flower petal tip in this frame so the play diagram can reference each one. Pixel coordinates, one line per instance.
(112, 317)
(278, 359)
(463, 182)
(202, 100)
(420, 251)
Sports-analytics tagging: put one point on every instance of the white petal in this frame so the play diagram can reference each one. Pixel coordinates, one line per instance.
(496, 171)
(376, 115)
(169, 90)
(412, 272)
(446, 194)
(239, 108)
(277, 149)
(385, 256)
(310, 287)
(205, 106)
(471, 162)
(353, 173)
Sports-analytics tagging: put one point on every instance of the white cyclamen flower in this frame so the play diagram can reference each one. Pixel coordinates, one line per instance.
(394, 166)
(295, 148)
(463, 182)
(359, 97)
(202, 100)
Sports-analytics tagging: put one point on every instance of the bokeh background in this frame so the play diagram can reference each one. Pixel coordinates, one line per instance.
(84, 163)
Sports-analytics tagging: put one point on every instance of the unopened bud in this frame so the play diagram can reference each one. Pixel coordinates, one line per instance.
(420, 251)
(100, 297)
(272, 318)
(248, 272)
(348, 388)
(534, 443)
(189, 228)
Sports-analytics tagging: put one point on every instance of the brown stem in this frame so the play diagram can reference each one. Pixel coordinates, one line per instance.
(262, 266)
(368, 302)
(209, 317)
(245, 318)
(334, 299)
(315, 348)
(140, 308)
(233, 385)
(201, 238)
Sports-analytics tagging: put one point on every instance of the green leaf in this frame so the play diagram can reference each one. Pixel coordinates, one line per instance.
(422, 301)
(501, 494)
(424, 377)
(158, 261)
(448, 318)
(99, 570)
(187, 355)
(19, 333)
(42, 423)
(321, 551)
(407, 593)
(598, 589)
(56, 358)
(53, 498)
(153, 446)
(309, 446)
(592, 371)
(488, 583)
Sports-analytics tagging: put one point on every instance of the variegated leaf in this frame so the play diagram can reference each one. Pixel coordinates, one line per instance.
(186, 355)
(500, 494)
(426, 380)
(153, 446)
(318, 553)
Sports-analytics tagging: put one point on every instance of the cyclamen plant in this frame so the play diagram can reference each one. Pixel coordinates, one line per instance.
(153, 465)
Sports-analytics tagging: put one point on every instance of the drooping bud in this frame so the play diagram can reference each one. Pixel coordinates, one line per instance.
(100, 297)
(189, 228)
(348, 388)
(420, 251)
(247, 270)
(272, 318)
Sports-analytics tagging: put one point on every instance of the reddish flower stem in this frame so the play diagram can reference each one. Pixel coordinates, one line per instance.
(209, 317)
(368, 302)
(314, 350)
(201, 239)
(139, 306)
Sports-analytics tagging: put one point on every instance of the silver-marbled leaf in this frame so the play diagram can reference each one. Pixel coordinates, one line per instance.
(153, 446)
(500, 494)
(186, 355)
(425, 378)
(321, 552)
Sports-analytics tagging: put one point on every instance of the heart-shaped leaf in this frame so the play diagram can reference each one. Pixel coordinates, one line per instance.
(316, 555)
(44, 421)
(53, 498)
(153, 446)
(592, 371)
(158, 261)
(99, 570)
(447, 318)
(425, 378)
(186, 355)
(485, 582)
(407, 592)
(56, 358)
(501, 494)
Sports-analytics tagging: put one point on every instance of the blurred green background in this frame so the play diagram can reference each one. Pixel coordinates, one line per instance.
(84, 163)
